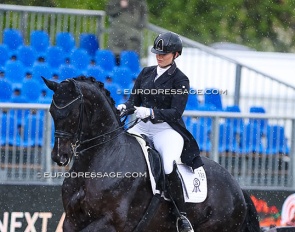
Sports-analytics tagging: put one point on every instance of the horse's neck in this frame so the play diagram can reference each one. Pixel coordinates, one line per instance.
(105, 122)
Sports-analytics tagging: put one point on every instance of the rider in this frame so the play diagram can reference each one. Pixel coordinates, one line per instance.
(159, 96)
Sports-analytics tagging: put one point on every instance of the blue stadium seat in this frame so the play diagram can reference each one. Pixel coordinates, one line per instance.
(46, 94)
(44, 100)
(252, 140)
(66, 41)
(90, 43)
(9, 131)
(201, 133)
(122, 76)
(6, 90)
(236, 123)
(105, 59)
(123, 99)
(228, 139)
(260, 122)
(13, 39)
(206, 121)
(80, 59)
(114, 88)
(67, 71)
(213, 97)
(33, 130)
(15, 98)
(192, 101)
(27, 55)
(97, 72)
(31, 90)
(4, 54)
(55, 57)
(39, 70)
(276, 140)
(15, 71)
(40, 41)
(131, 60)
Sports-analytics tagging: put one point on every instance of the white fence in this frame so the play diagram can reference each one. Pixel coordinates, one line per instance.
(254, 161)
(52, 20)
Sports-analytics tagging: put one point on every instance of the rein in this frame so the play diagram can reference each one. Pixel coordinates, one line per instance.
(104, 135)
(77, 136)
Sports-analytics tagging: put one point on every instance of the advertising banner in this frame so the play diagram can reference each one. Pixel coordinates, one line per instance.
(39, 208)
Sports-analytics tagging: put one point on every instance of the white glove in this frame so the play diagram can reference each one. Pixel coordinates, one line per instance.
(142, 112)
(121, 107)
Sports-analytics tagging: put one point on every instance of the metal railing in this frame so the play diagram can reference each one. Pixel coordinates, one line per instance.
(248, 145)
(52, 20)
(260, 167)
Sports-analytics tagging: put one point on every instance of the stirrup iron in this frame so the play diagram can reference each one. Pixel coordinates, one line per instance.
(185, 226)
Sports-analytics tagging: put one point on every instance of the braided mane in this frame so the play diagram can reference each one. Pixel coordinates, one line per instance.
(100, 85)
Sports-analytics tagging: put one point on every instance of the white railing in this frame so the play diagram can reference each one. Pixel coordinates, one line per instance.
(24, 163)
(52, 20)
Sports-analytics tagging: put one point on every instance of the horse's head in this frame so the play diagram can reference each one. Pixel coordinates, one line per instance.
(81, 109)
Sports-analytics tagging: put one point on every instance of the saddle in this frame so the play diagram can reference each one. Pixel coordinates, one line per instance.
(194, 184)
(156, 164)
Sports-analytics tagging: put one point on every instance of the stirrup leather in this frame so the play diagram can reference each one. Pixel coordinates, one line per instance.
(185, 225)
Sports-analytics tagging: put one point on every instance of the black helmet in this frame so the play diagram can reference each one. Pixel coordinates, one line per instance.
(166, 43)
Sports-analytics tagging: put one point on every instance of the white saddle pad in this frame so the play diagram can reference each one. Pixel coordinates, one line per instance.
(194, 184)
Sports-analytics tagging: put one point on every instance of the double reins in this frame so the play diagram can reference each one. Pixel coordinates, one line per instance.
(77, 136)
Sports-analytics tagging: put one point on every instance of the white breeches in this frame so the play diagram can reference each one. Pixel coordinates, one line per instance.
(167, 141)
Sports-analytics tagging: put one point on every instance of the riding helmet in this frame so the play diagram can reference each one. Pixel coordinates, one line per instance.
(166, 43)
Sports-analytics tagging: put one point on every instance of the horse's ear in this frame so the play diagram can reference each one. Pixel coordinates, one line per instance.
(50, 84)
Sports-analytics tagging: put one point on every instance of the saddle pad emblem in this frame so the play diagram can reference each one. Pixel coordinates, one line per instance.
(194, 184)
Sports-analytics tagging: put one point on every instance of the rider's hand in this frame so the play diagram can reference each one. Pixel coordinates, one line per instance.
(121, 107)
(142, 112)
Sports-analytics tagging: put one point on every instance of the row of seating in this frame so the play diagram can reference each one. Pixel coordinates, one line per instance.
(33, 90)
(20, 62)
(27, 132)
(64, 47)
(240, 136)
(40, 41)
(26, 128)
(26, 58)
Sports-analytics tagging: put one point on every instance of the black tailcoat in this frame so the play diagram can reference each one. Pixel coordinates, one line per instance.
(167, 96)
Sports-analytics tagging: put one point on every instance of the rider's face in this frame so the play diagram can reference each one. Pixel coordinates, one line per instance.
(164, 60)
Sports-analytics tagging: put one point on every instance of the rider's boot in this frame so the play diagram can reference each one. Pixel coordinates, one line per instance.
(175, 193)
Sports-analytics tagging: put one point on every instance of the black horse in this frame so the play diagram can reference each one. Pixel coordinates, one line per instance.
(99, 196)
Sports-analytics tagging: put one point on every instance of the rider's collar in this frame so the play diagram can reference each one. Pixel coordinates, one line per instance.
(172, 69)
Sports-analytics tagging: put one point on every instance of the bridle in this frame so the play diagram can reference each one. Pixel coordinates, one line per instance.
(77, 136)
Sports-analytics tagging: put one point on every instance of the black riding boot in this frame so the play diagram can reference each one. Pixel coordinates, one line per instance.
(175, 193)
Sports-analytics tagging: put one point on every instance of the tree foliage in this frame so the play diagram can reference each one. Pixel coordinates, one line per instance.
(260, 24)
(266, 25)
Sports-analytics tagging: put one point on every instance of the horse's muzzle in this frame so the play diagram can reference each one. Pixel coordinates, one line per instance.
(61, 153)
